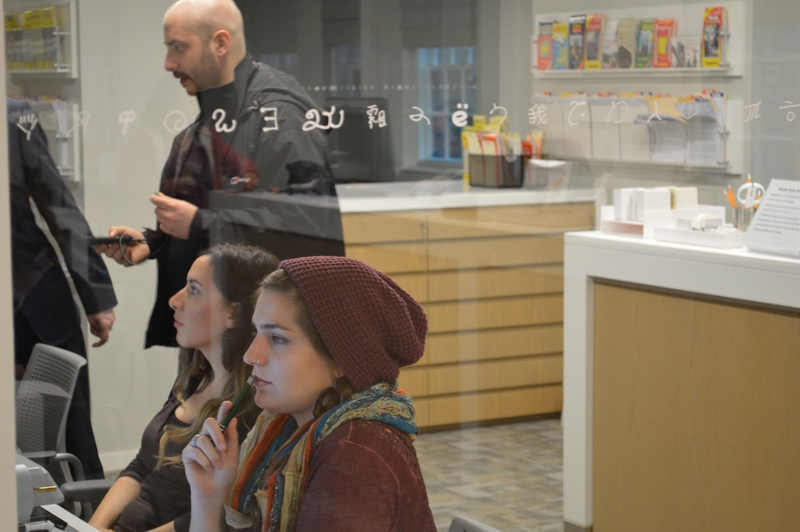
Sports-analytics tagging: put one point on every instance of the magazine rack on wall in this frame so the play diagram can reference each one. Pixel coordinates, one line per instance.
(689, 17)
(728, 79)
(53, 91)
(66, 40)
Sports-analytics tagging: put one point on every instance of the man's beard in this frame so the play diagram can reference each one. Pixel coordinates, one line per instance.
(207, 74)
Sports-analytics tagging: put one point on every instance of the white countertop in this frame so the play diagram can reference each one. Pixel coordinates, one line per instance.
(704, 270)
(420, 195)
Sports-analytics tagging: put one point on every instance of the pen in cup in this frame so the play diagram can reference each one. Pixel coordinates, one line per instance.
(236, 403)
(730, 195)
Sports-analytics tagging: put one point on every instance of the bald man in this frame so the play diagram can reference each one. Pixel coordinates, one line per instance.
(248, 136)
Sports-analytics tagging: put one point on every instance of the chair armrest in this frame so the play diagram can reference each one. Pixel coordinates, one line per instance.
(72, 460)
(40, 457)
(91, 491)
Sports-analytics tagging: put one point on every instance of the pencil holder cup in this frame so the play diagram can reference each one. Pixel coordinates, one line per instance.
(743, 217)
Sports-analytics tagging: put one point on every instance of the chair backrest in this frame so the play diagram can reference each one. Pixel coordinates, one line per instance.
(465, 524)
(42, 402)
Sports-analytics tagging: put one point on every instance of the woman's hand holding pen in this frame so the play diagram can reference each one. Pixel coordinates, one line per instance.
(211, 460)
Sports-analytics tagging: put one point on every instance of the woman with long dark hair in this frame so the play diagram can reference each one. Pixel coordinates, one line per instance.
(213, 315)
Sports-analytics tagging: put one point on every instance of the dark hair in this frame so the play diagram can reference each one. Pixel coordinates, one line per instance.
(236, 271)
(341, 390)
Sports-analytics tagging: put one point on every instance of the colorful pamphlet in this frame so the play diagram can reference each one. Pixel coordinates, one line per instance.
(545, 45)
(560, 46)
(626, 40)
(577, 30)
(33, 39)
(665, 30)
(593, 60)
(13, 43)
(691, 50)
(610, 48)
(715, 27)
(644, 44)
(52, 44)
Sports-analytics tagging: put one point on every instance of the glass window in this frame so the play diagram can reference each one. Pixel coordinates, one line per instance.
(450, 144)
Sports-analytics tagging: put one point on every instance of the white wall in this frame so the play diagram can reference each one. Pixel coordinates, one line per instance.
(122, 57)
(8, 437)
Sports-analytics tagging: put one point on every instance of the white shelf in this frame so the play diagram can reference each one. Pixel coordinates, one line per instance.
(721, 170)
(639, 73)
(64, 72)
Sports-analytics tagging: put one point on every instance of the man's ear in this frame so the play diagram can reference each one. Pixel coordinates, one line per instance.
(231, 321)
(221, 41)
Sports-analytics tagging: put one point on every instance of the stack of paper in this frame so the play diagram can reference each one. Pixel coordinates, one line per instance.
(706, 131)
(668, 140)
(634, 135)
(605, 128)
(634, 127)
(577, 127)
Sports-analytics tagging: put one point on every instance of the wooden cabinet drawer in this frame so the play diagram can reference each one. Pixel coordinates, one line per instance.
(549, 216)
(495, 313)
(495, 252)
(368, 228)
(420, 411)
(482, 406)
(494, 375)
(509, 220)
(391, 258)
(470, 346)
(414, 381)
(416, 284)
(496, 282)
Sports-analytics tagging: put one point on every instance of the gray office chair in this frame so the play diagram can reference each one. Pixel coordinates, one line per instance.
(42, 401)
(465, 524)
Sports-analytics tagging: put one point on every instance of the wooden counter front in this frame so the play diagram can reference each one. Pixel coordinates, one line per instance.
(491, 282)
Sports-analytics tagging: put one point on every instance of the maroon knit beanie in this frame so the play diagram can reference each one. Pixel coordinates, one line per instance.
(370, 326)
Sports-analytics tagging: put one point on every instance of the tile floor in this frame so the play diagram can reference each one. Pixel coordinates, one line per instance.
(506, 476)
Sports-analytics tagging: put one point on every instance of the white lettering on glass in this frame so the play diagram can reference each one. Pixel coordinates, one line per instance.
(125, 118)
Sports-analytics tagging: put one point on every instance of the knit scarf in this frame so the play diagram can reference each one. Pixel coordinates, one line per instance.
(275, 458)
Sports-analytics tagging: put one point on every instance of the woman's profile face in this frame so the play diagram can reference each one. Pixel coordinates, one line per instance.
(201, 313)
(289, 372)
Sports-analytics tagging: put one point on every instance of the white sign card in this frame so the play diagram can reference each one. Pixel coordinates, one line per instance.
(776, 225)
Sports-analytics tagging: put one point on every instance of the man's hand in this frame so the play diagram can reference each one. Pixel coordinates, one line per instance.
(100, 325)
(135, 252)
(174, 216)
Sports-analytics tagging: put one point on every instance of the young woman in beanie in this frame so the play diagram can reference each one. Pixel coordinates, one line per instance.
(333, 450)
(213, 316)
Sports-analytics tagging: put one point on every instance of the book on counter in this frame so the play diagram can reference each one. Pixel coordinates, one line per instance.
(644, 43)
(715, 26)
(560, 46)
(626, 41)
(610, 48)
(665, 30)
(593, 60)
(577, 30)
(545, 45)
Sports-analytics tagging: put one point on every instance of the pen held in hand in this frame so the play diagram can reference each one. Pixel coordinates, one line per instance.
(236, 403)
